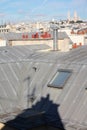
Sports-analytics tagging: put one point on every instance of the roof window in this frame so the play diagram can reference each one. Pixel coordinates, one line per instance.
(60, 78)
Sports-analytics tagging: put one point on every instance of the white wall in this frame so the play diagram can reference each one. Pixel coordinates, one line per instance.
(74, 37)
(63, 45)
(2, 42)
(77, 39)
(32, 42)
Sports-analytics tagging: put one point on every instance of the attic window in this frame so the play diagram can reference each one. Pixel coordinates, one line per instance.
(60, 78)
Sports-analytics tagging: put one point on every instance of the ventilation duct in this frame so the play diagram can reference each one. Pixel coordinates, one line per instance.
(54, 27)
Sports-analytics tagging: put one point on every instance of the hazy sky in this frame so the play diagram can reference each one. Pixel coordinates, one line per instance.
(41, 9)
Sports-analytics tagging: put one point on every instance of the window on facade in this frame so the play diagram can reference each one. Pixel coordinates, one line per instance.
(59, 79)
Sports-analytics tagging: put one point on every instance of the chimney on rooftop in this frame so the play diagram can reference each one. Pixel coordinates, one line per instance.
(54, 27)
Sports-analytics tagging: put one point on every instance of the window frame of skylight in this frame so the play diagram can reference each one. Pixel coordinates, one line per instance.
(50, 84)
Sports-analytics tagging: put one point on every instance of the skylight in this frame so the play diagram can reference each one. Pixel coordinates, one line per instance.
(60, 78)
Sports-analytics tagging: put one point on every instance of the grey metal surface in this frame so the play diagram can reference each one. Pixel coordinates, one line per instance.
(19, 36)
(25, 71)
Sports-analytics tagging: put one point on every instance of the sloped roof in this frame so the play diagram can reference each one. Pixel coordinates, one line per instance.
(36, 53)
(25, 71)
(12, 36)
(19, 53)
(19, 36)
(62, 35)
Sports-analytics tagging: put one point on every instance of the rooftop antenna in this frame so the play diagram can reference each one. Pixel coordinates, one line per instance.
(54, 27)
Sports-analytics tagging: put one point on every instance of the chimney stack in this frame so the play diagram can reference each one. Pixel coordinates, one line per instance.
(54, 27)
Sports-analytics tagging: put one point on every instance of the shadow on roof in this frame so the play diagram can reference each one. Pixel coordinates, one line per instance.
(43, 114)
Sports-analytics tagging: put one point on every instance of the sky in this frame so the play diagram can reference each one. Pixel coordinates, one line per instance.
(18, 10)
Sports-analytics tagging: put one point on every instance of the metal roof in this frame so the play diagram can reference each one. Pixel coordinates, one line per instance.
(13, 36)
(19, 36)
(25, 72)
